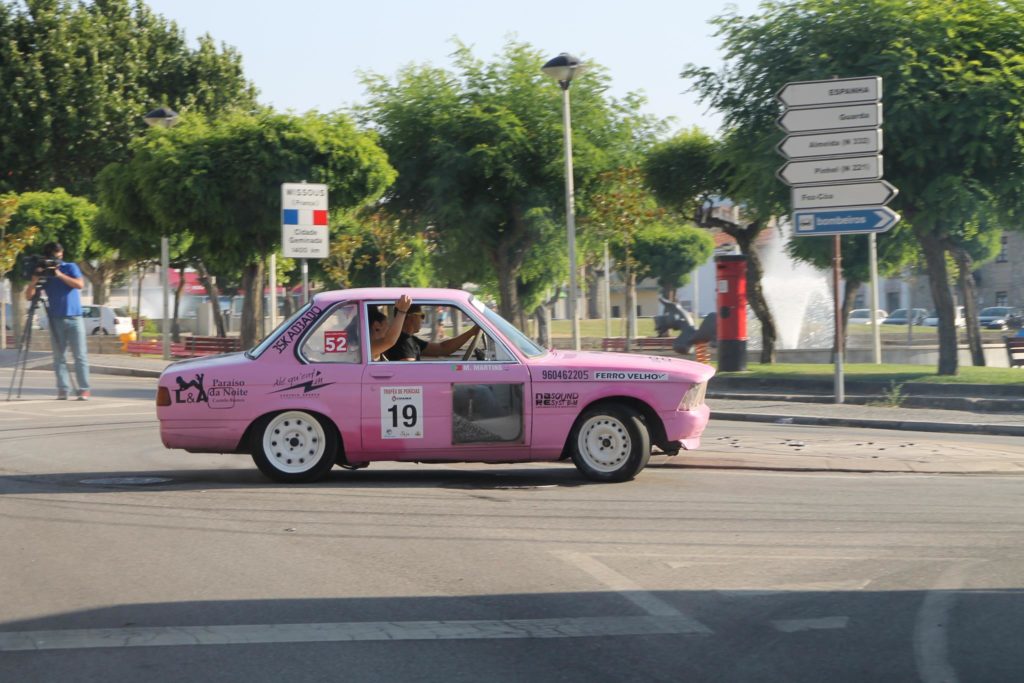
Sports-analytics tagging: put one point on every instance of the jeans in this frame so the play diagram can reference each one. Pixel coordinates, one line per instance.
(65, 331)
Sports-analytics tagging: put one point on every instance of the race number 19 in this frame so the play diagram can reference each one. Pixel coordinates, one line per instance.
(401, 412)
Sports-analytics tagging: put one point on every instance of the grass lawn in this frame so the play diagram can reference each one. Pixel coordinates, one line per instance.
(595, 328)
(887, 373)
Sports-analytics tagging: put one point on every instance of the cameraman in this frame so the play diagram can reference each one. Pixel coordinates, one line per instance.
(62, 282)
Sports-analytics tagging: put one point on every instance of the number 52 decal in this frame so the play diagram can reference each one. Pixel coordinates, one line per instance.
(401, 412)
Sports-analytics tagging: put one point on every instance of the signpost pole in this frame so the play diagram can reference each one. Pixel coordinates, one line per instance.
(272, 282)
(305, 281)
(837, 262)
(876, 332)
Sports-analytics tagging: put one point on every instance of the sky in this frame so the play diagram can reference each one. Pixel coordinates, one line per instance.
(308, 55)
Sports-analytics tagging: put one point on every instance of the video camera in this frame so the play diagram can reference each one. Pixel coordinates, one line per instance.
(36, 265)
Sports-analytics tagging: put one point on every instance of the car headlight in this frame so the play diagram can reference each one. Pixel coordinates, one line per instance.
(694, 396)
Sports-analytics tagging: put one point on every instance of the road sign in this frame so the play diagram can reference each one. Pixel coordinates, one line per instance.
(844, 221)
(304, 220)
(878, 193)
(831, 144)
(831, 118)
(815, 171)
(834, 91)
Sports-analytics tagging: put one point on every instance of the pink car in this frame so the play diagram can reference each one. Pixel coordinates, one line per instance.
(309, 396)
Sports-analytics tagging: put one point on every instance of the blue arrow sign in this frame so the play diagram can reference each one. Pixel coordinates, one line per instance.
(844, 221)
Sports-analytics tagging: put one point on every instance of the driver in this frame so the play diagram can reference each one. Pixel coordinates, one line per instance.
(409, 347)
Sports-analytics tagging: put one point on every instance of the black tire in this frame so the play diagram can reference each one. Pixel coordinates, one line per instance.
(610, 443)
(294, 447)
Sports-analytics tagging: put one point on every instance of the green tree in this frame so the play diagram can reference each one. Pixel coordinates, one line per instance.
(77, 78)
(670, 252)
(620, 209)
(54, 217)
(220, 181)
(693, 174)
(953, 83)
(11, 247)
(480, 159)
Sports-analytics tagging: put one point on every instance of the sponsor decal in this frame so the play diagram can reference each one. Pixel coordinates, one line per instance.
(226, 393)
(303, 384)
(191, 391)
(556, 400)
(297, 328)
(401, 412)
(565, 375)
(630, 376)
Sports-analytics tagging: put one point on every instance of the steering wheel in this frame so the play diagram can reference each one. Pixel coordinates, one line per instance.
(472, 345)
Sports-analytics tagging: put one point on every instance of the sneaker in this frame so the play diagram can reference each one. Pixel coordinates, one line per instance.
(62, 395)
(83, 395)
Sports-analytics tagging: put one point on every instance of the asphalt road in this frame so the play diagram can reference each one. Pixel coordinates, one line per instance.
(123, 561)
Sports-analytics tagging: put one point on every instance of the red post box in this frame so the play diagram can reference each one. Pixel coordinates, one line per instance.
(731, 285)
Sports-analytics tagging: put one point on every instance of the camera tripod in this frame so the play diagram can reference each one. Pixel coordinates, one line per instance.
(25, 343)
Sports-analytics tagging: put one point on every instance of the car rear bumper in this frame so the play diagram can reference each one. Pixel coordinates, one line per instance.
(205, 436)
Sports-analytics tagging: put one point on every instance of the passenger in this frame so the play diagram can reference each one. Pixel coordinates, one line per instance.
(382, 335)
(410, 347)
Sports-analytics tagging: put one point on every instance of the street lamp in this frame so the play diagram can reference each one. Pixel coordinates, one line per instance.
(563, 69)
(163, 117)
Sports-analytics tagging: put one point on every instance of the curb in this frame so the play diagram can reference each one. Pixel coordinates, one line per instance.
(899, 425)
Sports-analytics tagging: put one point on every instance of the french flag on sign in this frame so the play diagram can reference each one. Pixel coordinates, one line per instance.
(304, 217)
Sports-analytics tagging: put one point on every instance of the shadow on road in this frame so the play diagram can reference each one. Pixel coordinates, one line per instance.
(428, 476)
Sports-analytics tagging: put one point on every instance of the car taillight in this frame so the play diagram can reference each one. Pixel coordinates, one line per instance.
(163, 396)
(693, 398)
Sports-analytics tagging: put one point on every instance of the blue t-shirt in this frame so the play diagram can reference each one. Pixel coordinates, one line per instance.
(64, 301)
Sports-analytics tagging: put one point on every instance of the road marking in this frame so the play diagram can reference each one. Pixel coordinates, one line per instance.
(818, 624)
(243, 634)
(628, 588)
(931, 638)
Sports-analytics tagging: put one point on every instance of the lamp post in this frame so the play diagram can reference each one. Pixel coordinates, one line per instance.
(563, 69)
(163, 117)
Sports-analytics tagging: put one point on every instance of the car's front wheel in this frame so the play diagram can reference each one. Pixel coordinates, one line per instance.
(294, 446)
(610, 443)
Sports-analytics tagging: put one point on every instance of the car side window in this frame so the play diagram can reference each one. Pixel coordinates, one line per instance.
(335, 339)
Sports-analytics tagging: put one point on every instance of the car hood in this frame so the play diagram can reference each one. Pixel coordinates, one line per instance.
(679, 368)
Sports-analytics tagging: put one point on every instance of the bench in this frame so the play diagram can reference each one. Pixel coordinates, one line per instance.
(153, 347)
(1015, 350)
(209, 346)
(640, 344)
(190, 347)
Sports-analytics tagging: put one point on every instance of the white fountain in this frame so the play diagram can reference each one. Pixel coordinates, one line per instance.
(798, 295)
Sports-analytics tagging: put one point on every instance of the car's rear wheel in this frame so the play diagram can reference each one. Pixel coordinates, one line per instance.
(294, 446)
(610, 443)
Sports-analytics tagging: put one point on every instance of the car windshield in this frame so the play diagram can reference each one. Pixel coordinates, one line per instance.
(525, 345)
(994, 310)
(899, 313)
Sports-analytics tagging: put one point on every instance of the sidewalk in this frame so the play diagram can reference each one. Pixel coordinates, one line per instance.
(765, 410)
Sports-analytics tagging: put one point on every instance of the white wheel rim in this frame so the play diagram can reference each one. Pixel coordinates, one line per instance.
(294, 442)
(604, 443)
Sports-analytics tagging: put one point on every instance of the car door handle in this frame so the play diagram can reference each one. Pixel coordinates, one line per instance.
(381, 374)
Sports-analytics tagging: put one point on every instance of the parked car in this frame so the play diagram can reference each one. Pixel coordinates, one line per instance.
(933, 318)
(900, 316)
(310, 396)
(1001, 317)
(100, 320)
(862, 316)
